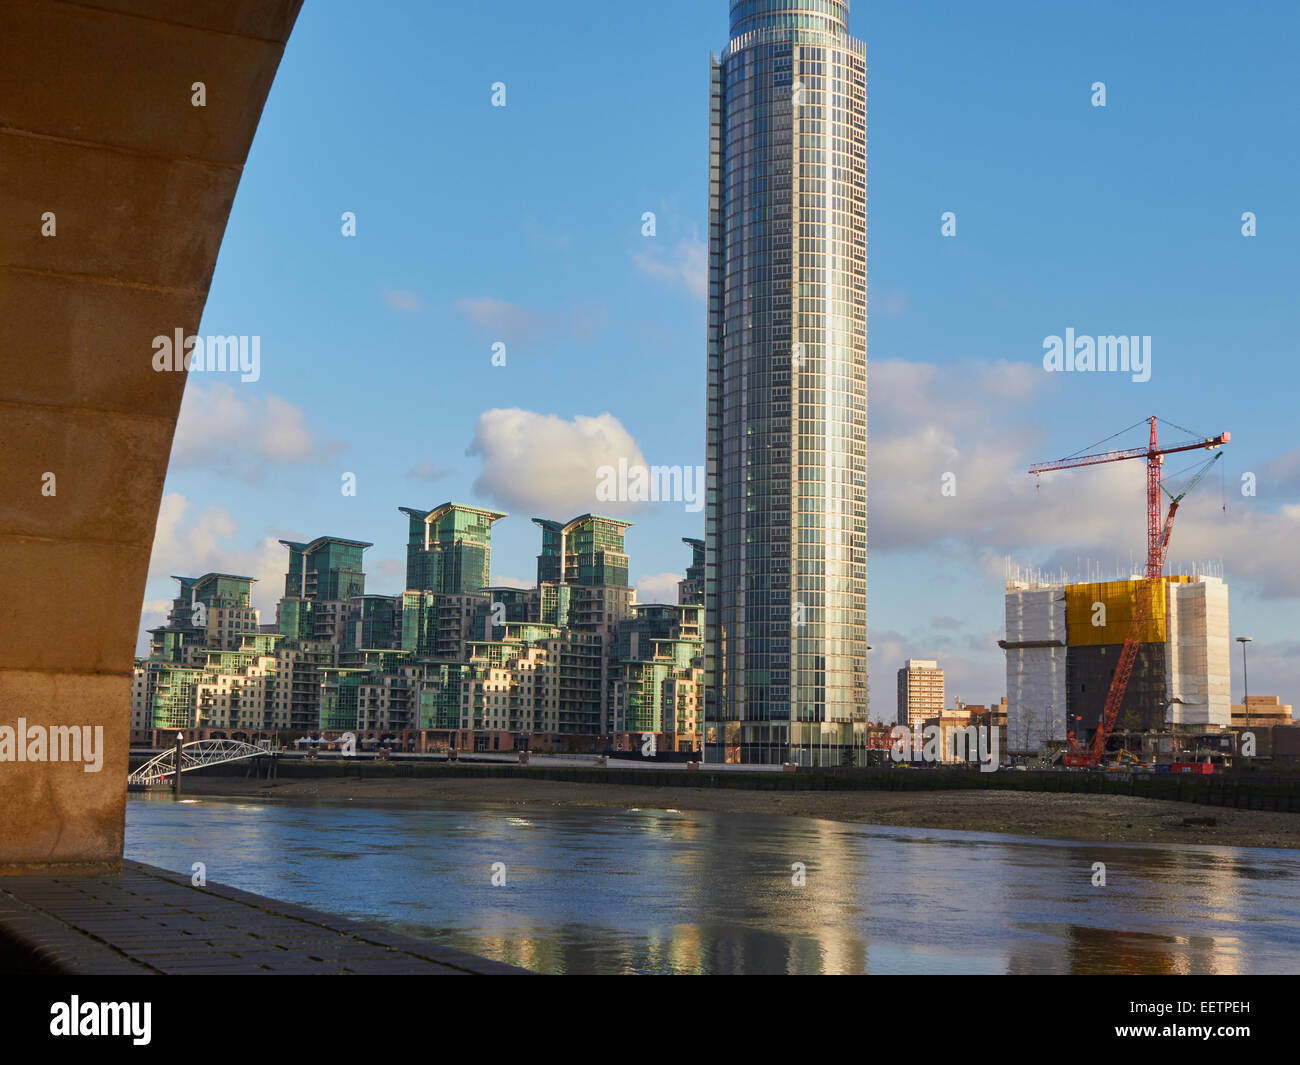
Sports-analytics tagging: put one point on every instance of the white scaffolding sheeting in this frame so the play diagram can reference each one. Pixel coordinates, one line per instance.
(1198, 653)
(1035, 674)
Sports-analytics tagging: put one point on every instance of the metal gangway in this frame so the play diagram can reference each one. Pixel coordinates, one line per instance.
(194, 755)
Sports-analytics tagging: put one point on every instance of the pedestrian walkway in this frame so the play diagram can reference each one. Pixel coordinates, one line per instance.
(151, 921)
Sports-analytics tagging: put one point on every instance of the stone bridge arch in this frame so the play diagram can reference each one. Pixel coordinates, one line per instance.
(115, 189)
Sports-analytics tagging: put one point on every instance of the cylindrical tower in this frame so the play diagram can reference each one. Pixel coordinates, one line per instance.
(786, 523)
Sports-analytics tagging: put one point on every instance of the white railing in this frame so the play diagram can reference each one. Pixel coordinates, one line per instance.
(194, 755)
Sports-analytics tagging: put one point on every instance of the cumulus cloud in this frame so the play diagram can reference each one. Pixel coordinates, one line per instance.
(547, 465)
(511, 582)
(947, 462)
(390, 571)
(974, 669)
(513, 324)
(239, 431)
(685, 264)
(1257, 546)
(1274, 668)
(505, 320)
(153, 614)
(429, 471)
(399, 299)
(892, 302)
(189, 543)
(658, 588)
(969, 427)
(1280, 477)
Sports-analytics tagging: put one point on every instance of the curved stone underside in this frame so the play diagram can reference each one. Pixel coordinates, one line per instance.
(97, 127)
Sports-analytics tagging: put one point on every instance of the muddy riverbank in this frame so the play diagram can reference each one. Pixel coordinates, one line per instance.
(1047, 815)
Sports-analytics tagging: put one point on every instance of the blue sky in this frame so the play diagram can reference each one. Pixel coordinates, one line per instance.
(523, 225)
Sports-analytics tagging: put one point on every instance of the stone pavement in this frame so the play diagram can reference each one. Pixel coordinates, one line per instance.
(151, 921)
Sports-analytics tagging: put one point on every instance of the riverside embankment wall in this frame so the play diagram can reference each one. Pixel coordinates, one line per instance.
(1247, 791)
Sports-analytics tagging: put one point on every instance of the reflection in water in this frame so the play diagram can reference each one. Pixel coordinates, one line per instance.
(618, 891)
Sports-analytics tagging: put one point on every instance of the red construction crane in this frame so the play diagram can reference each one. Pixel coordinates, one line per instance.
(1157, 546)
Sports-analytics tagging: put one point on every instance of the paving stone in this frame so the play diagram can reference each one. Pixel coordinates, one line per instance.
(148, 920)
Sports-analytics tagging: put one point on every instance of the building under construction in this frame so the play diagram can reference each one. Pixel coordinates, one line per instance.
(1063, 644)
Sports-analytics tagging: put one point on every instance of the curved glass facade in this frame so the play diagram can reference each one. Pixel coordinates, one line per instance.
(785, 561)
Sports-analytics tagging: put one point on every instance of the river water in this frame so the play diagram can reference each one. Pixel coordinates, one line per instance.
(591, 890)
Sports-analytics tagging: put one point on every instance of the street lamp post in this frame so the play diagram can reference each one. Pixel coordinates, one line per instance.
(176, 779)
(1245, 681)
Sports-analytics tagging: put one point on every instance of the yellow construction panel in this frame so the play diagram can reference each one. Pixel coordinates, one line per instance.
(1088, 625)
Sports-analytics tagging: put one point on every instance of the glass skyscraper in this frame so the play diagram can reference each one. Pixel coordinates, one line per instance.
(786, 518)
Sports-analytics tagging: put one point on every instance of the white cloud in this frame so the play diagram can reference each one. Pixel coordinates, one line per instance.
(232, 429)
(686, 264)
(1279, 476)
(516, 325)
(892, 302)
(153, 614)
(927, 422)
(190, 543)
(391, 572)
(975, 421)
(545, 464)
(1274, 670)
(506, 320)
(403, 300)
(1257, 546)
(973, 666)
(510, 582)
(658, 588)
(429, 471)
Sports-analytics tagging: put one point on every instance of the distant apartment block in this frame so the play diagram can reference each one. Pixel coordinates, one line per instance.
(920, 693)
(449, 550)
(572, 664)
(1260, 711)
(971, 720)
(691, 590)
(1271, 723)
